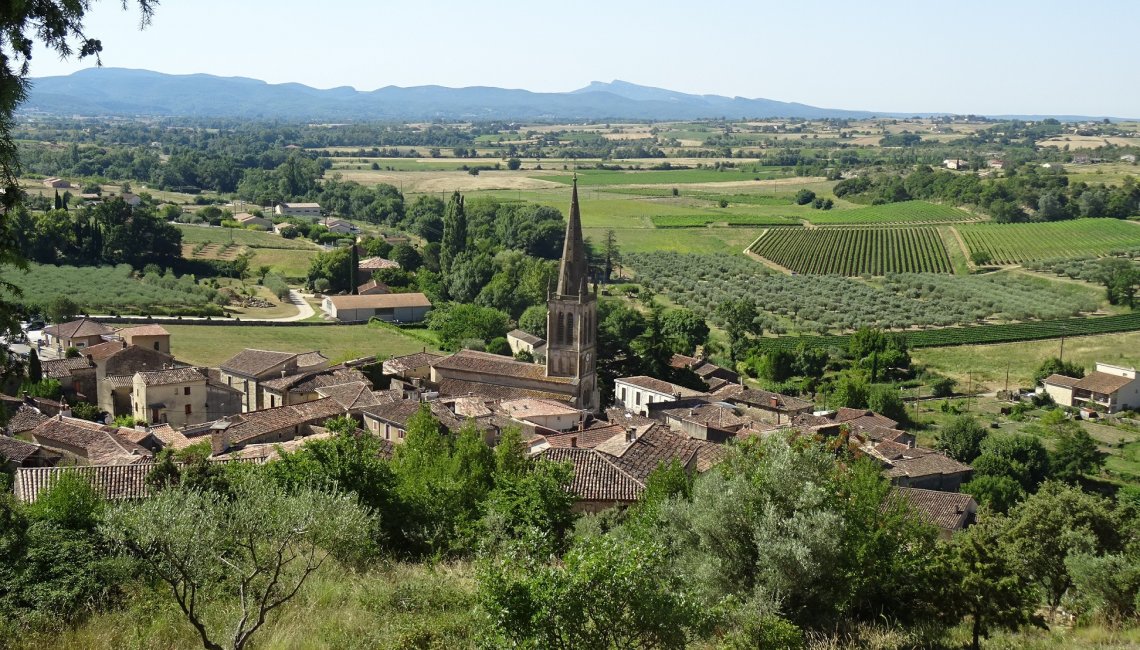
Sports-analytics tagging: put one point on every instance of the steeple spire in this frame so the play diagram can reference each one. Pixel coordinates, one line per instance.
(572, 272)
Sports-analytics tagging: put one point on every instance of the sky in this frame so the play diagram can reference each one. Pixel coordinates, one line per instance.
(994, 57)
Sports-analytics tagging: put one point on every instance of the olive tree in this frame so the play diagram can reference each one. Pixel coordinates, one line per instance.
(248, 552)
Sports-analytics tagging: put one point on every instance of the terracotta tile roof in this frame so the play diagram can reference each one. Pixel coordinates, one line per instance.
(169, 437)
(410, 362)
(99, 444)
(377, 263)
(61, 368)
(709, 415)
(256, 423)
(114, 482)
(120, 381)
(459, 387)
(725, 392)
(172, 376)
(1102, 383)
(380, 301)
(650, 449)
(266, 451)
(859, 419)
(78, 328)
(251, 362)
(943, 509)
(878, 433)
(24, 419)
(659, 386)
(532, 407)
(144, 330)
(396, 413)
(763, 399)
(494, 364)
(373, 287)
(103, 350)
(310, 359)
(683, 361)
(17, 451)
(309, 382)
(1060, 380)
(468, 407)
(525, 337)
(351, 396)
(912, 462)
(588, 438)
(596, 478)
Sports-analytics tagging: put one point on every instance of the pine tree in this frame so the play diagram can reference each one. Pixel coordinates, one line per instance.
(454, 233)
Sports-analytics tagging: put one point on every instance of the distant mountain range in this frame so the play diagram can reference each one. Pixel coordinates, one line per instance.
(125, 92)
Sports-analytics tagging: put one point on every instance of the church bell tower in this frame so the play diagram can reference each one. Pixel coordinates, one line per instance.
(571, 319)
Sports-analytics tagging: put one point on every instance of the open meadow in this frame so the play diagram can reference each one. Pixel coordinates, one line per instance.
(209, 345)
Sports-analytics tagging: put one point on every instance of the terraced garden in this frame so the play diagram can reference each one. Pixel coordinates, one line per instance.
(855, 251)
(1013, 243)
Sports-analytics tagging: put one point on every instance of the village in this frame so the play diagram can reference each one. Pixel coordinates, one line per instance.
(260, 402)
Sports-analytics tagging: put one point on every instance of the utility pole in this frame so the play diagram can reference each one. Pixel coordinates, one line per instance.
(1062, 357)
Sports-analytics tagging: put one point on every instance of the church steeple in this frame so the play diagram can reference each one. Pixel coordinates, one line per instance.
(572, 273)
(572, 317)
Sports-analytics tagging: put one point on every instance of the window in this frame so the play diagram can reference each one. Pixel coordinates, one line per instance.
(156, 345)
(187, 409)
(186, 390)
(272, 401)
(637, 398)
(623, 393)
(558, 335)
(570, 328)
(401, 434)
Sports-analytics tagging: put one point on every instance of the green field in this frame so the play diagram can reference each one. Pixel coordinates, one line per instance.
(1012, 243)
(905, 212)
(855, 251)
(251, 238)
(591, 177)
(210, 345)
(720, 241)
(695, 221)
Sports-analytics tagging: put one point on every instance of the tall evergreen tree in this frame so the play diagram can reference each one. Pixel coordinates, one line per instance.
(354, 265)
(35, 370)
(454, 233)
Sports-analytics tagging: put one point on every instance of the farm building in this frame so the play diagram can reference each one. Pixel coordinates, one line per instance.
(76, 334)
(298, 210)
(282, 227)
(372, 288)
(147, 336)
(56, 182)
(340, 226)
(248, 220)
(1110, 388)
(395, 307)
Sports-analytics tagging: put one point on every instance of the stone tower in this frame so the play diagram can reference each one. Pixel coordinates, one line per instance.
(571, 320)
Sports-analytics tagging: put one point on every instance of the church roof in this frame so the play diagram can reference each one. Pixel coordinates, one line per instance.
(573, 271)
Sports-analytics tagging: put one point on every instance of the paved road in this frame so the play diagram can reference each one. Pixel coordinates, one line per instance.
(304, 310)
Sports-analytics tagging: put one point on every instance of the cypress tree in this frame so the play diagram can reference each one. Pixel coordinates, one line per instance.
(35, 370)
(355, 265)
(454, 233)
(58, 201)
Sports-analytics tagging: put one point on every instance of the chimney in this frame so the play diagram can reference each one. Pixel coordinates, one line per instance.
(282, 373)
(630, 434)
(28, 399)
(90, 359)
(124, 341)
(219, 441)
(581, 425)
(574, 442)
(775, 402)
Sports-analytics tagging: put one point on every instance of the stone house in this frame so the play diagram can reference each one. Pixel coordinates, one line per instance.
(80, 333)
(249, 369)
(637, 393)
(176, 396)
(1108, 389)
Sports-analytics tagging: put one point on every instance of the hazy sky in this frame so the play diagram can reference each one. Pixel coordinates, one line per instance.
(998, 56)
